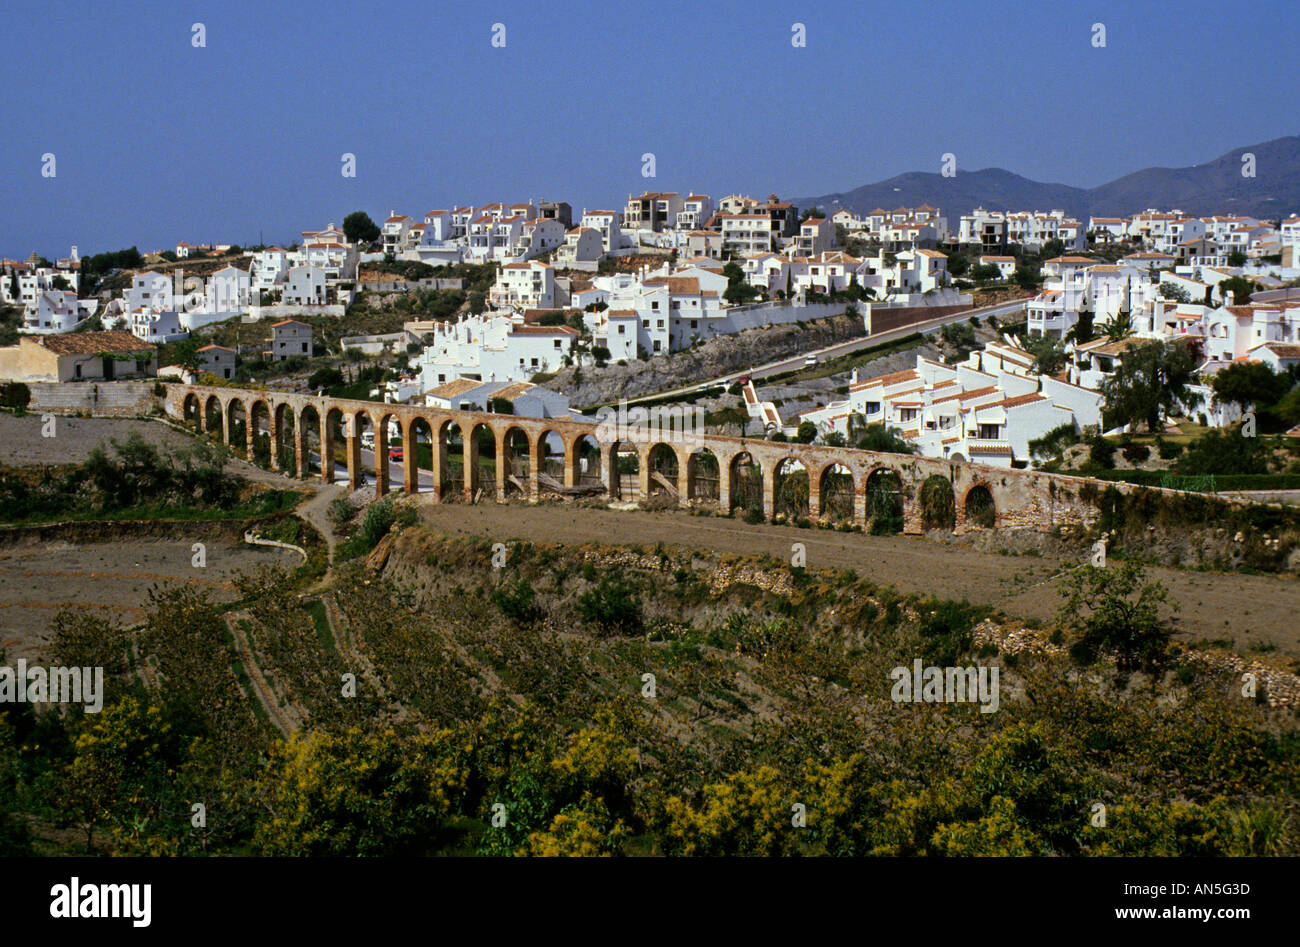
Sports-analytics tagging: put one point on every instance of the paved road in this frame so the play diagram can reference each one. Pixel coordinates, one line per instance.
(368, 468)
(842, 348)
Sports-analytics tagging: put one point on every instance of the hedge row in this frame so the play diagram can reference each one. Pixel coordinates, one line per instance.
(1214, 483)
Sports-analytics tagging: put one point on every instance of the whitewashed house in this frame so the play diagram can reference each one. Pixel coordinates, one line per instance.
(305, 286)
(605, 223)
(528, 285)
(56, 311)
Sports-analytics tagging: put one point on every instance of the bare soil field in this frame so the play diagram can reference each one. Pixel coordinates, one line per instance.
(1242, 609)
(39, 578)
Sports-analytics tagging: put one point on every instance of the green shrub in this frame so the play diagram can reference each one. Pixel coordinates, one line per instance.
(612, 606)
(517, 603)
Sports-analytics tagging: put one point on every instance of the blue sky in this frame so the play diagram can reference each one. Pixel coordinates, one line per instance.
(157, 141)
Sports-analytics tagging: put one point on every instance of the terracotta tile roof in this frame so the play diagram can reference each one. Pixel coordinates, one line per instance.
(92, 343)
(894, 378)
(515, 390)
(543, 330)
(456, 386)
(1018, 400)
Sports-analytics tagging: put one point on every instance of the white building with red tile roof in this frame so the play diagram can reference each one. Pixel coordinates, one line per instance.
(494, 347)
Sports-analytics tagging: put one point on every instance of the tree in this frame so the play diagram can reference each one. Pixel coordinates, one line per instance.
(1051, 249)
(807, 432)
(354, 794)
(1224, 452)
(1175, 293)
(1121, 327)
(1118, 609)
(958, 263)
(359, 228)
(1152, 380)
(985, 272)
(1236, 258)
(878, 437)
(325, 378)
(1048, 353)
(1248, 384)
(738, 291)
(1240, 289)
(1027, 278)
(1081, 331)
(187, 354)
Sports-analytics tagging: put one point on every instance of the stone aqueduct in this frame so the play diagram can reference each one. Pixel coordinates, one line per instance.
(535, 457)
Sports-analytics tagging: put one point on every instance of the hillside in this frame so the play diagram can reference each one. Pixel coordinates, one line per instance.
(1214, 187)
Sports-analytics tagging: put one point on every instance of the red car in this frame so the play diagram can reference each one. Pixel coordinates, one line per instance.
(394, 453)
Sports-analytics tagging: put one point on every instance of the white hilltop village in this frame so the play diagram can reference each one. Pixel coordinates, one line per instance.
(671, 271)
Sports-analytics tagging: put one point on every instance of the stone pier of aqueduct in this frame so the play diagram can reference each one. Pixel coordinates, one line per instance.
(538, 457)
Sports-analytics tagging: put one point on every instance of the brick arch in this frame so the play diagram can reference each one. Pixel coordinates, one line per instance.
(516, 470)
(874, 507)
(254, 433)
(653, 486)
(411, 449)
(773, 488)
(379, 419)
(703, 485)
(192, 401)
(215, 425)
(836, 499)
(305, 424)
(580, 446)
(1022, 497)
(964, 511)
(544, 463)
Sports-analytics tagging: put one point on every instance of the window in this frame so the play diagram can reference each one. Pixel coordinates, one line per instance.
(989, 432)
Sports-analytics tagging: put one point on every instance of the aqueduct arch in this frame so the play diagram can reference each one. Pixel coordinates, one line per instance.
(470, 455)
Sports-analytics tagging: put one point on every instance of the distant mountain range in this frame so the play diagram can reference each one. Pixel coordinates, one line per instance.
(1216, 187)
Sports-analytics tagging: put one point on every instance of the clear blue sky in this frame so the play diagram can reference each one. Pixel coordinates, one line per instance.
(157, 141)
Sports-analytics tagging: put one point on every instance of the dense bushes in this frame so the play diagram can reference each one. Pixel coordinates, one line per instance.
(470, 737)
(612, 605)
(135, 475)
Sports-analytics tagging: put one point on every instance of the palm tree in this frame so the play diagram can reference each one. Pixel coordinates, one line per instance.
(856, 425)
(1121, 327)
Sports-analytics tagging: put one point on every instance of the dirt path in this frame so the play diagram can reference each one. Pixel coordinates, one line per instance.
(263, 692)
(1245, 609)
(316, 512)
